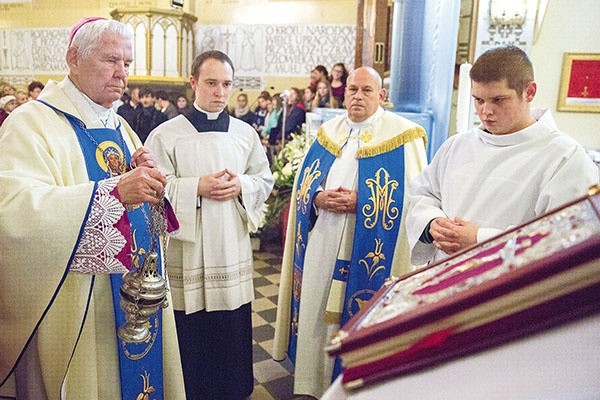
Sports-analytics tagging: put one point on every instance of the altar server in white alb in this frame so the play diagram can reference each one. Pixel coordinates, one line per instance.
(76, 189)
(515, 166)
(346, 231)
(218, 179)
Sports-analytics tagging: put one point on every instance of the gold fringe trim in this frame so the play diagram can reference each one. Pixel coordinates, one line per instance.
(393, 143)
(328, 143)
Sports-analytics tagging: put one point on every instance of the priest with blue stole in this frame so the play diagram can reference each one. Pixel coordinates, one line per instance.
(81, 204)
(218, 179)
(346, 232)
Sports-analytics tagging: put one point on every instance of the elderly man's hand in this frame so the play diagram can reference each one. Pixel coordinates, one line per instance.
(142, 184)
(143, 158)
(340, 200)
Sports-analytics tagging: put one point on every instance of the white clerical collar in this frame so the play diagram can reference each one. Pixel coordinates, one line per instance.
(209, 115)
(91, 111)
(366, 122)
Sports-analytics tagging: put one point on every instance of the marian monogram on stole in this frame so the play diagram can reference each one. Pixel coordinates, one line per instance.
(378, 214)
(381, 209)
(381, 204)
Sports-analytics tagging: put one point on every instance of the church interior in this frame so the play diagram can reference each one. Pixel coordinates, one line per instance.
(420, 48)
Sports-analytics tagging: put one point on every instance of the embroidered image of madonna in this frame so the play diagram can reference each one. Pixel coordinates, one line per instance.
(113, 161)
(110, 158)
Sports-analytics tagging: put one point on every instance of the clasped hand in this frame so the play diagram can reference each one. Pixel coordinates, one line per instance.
(144, 183)
(220, 186)
(340, 200)
(451, 236)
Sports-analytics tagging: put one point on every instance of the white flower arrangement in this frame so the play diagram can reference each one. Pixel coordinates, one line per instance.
(285, 165)
(288, 160)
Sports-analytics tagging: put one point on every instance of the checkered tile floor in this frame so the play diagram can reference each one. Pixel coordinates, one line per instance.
(272, 380)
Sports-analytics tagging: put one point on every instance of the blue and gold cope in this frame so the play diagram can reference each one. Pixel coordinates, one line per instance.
(379, 210)
(140, 364)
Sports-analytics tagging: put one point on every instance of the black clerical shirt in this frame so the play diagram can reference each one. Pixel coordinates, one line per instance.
(203, 124)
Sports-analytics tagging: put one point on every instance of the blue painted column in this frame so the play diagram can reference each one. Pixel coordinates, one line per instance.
(424, 40)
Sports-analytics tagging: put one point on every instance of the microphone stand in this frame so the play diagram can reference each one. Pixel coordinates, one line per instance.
(285, 106)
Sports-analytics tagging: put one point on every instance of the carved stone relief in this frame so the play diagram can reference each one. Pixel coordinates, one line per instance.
(278, 50)
(256, 50)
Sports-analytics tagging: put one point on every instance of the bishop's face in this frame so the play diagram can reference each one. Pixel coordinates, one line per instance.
(213, 85)
(102, 74)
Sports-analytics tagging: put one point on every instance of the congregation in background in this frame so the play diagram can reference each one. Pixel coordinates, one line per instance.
(144, 108)
(11, 98)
